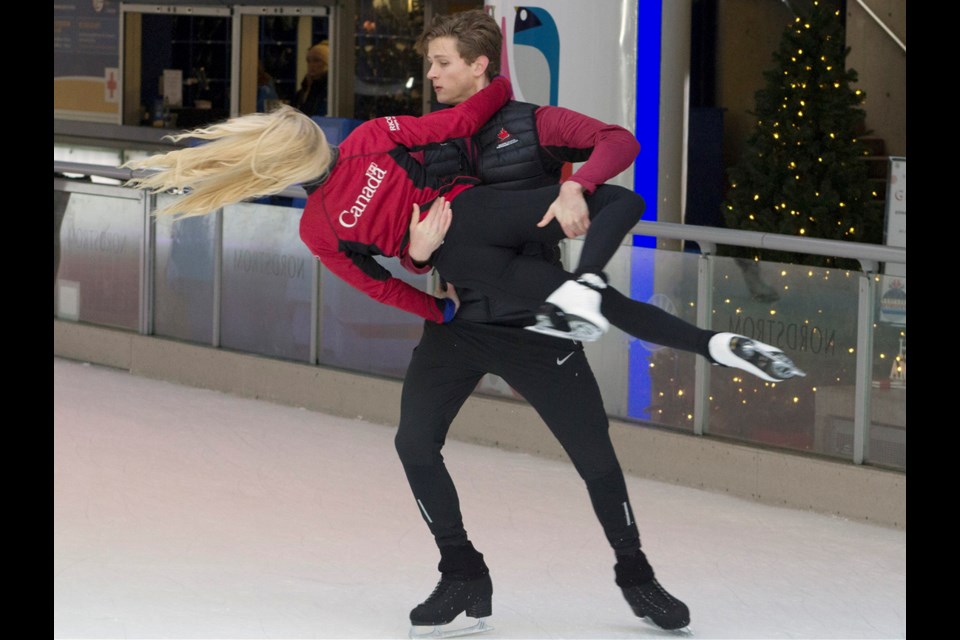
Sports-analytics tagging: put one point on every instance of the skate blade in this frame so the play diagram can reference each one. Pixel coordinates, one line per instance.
(682, 632)
(779, 367)
(787, 370)
(762, 360)
(580, 330)
(439, 632)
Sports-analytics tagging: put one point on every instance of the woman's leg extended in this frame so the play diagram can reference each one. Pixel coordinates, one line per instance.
(653, 324)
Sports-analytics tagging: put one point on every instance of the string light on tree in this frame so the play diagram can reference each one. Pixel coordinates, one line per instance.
(805, 154)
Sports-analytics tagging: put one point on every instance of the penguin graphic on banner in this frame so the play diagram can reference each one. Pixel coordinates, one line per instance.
(536, 50)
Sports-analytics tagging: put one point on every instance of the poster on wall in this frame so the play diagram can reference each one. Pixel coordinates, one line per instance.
(596, 58)
(86, 60)
(551, 50)
(895, 226)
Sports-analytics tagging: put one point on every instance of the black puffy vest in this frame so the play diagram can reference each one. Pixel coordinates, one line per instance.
(510, 155)
(507, 153)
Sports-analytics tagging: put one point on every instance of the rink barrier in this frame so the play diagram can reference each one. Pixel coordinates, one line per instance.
(129, 248)
(781, 478)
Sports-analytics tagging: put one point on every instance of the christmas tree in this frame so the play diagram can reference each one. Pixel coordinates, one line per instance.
(803, 171)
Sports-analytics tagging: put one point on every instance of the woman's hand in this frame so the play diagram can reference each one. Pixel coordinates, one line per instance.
(427, 235)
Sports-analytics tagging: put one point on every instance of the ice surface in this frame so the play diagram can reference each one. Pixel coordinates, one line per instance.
(188, 513)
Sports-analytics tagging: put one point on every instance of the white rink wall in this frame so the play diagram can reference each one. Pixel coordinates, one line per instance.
(779, 478)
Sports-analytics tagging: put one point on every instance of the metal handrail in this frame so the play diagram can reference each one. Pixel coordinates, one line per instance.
(883, 26)
(869, 255)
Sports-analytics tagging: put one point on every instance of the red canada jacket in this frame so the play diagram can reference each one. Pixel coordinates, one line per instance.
(363, 208)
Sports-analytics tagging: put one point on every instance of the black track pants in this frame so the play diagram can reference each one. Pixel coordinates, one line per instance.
(551, 374)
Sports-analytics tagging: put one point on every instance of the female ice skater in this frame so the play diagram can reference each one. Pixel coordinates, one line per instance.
(365, 198)
(365, 195)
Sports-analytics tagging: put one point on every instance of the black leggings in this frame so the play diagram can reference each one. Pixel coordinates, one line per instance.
(480, 250)
(653, 324)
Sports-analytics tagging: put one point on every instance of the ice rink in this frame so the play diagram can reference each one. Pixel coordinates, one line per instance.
(188, 513)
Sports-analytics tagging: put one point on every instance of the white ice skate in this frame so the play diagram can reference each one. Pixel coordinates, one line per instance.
(573, 312)
(449, 631)
(758, 358)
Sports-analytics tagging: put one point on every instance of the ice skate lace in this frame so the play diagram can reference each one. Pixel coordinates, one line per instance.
(654, 596)
(443, 586)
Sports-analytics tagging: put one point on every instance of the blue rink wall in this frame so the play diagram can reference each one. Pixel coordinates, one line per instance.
(645, 183)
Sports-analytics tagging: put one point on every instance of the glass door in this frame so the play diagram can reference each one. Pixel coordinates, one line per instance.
(186, 66)
(389, 71)
(286, 57)
(177, 65)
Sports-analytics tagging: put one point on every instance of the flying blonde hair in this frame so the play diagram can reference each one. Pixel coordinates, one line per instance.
(250, 156)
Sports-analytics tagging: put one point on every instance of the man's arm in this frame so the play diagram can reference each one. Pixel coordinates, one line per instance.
(570, 210)
(612, 148)
(567, 135)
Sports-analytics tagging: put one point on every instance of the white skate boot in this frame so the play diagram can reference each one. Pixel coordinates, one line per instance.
(758, 358)
(573, 311)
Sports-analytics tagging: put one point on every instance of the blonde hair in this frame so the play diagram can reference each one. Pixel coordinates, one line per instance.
(322, 49)
(250, 156)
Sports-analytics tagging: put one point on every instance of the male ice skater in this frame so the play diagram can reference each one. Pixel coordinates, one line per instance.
(525, 147)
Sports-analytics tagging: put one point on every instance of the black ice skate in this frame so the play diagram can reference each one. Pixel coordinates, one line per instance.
(758, 358)
(573, 311)
(646, 596)
(449, 599)
(651, 601)
(464, 587)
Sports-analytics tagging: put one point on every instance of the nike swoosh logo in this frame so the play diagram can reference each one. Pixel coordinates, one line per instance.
(560, 361)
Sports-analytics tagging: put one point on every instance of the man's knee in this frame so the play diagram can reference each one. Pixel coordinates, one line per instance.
(415, 447)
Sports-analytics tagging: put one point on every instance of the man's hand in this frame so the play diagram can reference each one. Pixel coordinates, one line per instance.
(570, 210)
(447, 290)
(427, 235)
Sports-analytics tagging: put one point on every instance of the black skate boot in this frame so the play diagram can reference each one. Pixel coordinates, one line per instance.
(645, 595)
(464, 587)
